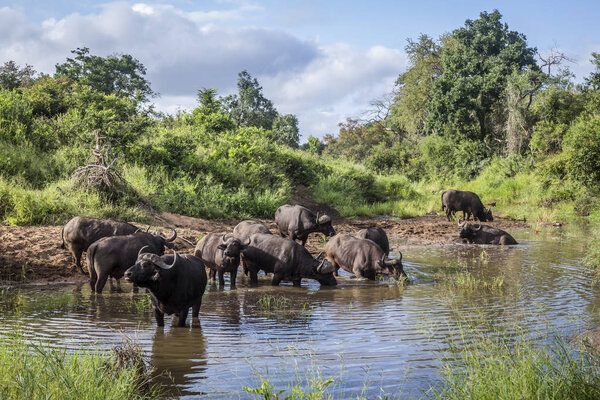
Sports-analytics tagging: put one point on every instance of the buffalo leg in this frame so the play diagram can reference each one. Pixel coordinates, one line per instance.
(448, 212)
(101, 282)
(93, 278)
(336, 272)
(182, 317)
(77, 256)
(232, 278)
(213, 275)
(160, 317)
(276, 279)
(196, 309)
(297, 282)
(253, 276)
(221, 279)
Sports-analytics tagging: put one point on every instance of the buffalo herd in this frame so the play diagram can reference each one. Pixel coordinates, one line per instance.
(176, 282)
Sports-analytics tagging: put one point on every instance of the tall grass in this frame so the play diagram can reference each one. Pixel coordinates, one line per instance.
(495, 367)
(38, 371)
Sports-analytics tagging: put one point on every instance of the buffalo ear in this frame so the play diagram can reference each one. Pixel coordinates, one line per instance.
(222, 246)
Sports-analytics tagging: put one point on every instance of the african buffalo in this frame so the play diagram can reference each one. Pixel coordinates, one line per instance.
(221, 253)
(467, 202)
(80, 232)
(361, 257)
(286, 259)
(484, 234)
(175, 283)
(247, 228)
(297, 222)
(377, 235)
(111, 256)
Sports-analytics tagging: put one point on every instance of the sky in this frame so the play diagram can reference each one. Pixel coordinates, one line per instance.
(323, 61)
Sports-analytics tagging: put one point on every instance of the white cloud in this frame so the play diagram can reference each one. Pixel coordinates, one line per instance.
(185, 51)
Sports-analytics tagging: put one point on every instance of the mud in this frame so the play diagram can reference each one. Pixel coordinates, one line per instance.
(34, 254)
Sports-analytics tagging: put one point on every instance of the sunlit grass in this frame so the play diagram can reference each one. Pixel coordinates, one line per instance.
(280, 305)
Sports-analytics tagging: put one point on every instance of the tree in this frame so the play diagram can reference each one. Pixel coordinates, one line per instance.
(593, 81)
(210, 114)
(209, 102)
(249, 107)
(285, 130)
(314, 145)
(12, 76)
(467, 96)
(121, 75)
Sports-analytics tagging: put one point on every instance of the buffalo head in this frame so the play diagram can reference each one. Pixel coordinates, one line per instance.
(323, 271)
(487, 214)
(324, 223)
(147, 268)
(232, 246)
(467, 230)
(391, 266)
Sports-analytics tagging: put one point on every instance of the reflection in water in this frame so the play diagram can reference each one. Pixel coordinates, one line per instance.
(379, 335)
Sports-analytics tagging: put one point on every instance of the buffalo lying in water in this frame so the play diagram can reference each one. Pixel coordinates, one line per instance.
(467, 202)
(484, 234)
(175, 283)
(297, 222)
(111, 256)
(377, 235)
(361, 257)
(80, 232)
(221, 253)
(247, 228)
(286, 259)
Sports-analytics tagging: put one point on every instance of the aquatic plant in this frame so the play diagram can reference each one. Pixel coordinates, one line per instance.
(281, 306)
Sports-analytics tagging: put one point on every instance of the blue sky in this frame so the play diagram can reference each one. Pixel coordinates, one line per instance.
(321, 60)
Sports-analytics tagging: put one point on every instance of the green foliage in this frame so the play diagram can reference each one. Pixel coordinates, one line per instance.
(12, 76)
(285, 130)
(120, 75)
(474, 76)
(582, 149)
(38, 371)
(249, 107)
(592, 82)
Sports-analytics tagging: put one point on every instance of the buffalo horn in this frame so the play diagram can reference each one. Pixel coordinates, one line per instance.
(137, 230)
(172, 237)
(478, 227)
(141, 251)
(317, 219)
(148, 228)
(383, 259)
(319, 255)
(164, 265)
(224, 239)
(322, 270)
(246, 242)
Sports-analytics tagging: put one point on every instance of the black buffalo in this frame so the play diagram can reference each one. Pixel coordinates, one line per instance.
(111, 256)
(221, 253)
(484, 234)
(377, 235)
(286, 259)
(361, 257)
(467, 202)
(247, 228)
(80, 232)
(297, 222)
(175, 283)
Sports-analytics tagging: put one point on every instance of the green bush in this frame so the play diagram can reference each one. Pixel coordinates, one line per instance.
(582, 149)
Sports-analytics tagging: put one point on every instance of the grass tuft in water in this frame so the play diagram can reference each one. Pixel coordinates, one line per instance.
(142, 304)
(282, 306)
(458, 279)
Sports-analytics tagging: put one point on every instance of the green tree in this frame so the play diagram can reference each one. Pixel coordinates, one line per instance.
(285, 130)
(12, 76)
(467, 96)
(121, 75)
(593, 81)
(314, 145)
(210, 114)
(249, 107)
(209, 102)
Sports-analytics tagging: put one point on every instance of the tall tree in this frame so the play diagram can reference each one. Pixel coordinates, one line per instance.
(465, 99)
(285, 130)
(249, 107)
(593, 81)
(121, 75)
(12, 76)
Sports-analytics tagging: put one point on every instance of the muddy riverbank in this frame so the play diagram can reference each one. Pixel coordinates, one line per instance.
(34, 253)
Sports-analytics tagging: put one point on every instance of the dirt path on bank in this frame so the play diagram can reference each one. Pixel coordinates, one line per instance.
(33, 254)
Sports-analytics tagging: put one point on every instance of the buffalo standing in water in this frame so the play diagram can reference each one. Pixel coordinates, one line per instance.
(377, 235)
(467, 202)
(80, 232)
(111, 256)
(484, 234)
(286, 259)
(297, 222)
(221, 253)
(247, 228)
(361, 257)
(175, 283)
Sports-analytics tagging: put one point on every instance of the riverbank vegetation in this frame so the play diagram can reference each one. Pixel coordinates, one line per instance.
(39, 371)
(514, 128)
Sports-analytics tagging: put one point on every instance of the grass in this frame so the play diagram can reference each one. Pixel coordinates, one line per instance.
(38, 371)
(467, 281)
(495, 367)
(281, 306)
(142, 303)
